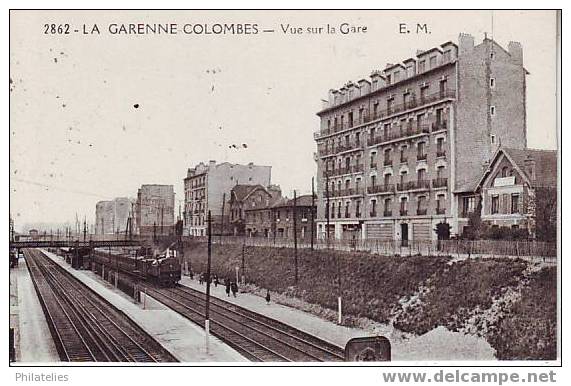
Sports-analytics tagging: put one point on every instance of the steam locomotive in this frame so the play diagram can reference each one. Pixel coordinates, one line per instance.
(163, 269)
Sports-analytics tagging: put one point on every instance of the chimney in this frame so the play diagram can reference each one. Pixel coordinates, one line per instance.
(465, 43)
(377, 79)
(331, 96)
(529, 166)
(516, 52)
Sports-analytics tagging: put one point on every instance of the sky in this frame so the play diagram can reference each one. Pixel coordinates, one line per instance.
(92, 117)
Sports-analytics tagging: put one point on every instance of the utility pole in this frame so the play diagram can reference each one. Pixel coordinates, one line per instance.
(312, 211)
(84, 229)
(243, 262)
(207, 311)
(328, 207)
(295, 233)
(162, 216)
(222, 219)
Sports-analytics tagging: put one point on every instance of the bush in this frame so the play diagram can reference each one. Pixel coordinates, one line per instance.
(529, 331)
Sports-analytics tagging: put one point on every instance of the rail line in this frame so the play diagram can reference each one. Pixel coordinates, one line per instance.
(84, 326)
(257, 337)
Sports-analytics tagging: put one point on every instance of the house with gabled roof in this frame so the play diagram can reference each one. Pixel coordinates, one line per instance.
(518, 189)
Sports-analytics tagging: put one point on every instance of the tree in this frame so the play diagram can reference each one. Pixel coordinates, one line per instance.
(542, 207)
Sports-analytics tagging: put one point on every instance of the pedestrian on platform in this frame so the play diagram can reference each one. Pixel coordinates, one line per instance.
(234, 288)
(201, 279)
(216, 281)
(227, 287)
(268, 297)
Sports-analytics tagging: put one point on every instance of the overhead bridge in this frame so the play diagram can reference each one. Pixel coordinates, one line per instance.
(74, 243)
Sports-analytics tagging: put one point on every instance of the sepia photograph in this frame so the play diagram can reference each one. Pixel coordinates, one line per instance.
(302, 187)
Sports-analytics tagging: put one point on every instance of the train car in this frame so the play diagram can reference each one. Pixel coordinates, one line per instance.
(163, 270)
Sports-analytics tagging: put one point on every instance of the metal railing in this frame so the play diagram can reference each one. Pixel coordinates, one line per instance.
(439, 182)
(421, 247)
(385, 188)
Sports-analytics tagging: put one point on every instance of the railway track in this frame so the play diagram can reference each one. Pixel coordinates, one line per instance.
(84, 326)
(257, 337)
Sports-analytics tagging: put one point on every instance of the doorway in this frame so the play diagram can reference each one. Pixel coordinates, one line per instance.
(404, 234)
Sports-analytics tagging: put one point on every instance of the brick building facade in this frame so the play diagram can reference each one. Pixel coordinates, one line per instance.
(277, 219)
(397, 152)
(112, 216)
(245, 197)
(207, 187)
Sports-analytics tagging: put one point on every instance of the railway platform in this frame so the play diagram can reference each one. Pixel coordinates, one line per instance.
(32, 337)
(179, 336)
(434, 345)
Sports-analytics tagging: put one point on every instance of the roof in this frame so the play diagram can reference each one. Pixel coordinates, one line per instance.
(304, 200)
(243, 191)
(545, 165)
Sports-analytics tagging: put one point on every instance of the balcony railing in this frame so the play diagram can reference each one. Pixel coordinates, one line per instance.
(373, 213)
(421, 157)
(440, 210)
(347, 192)
(403, 160)
(395, 109)
(442, 125)
(344, 170)
(349, 146)
(421, 212)
(381, 189)
(412, 185)
(439, 182)
(373, 165)
(394, 134)
(440, 153)
(403, 212)
(388, 162)
(387, 213)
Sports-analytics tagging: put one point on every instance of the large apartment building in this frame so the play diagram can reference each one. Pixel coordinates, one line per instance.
(207, 187)
(403, 150)
(112, 216)
(154, 210)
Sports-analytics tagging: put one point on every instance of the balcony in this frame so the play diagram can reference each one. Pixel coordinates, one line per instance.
(403, 160)
(386, 188)
(387, 213)
(413, 185)
(348, 192)
(440, 153)
(441, 125)
(440, 210)
(400, 134)
(403, 212)
(421, 212)
(396, 109)
(388, 162)
(373, 213)
(349, 146)
(421, 157)
(440, 182)
(373, 165)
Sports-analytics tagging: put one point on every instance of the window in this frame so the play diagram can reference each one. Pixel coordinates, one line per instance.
(373, 208)
(440, 172)
(446, 56)
(504, 171)
(333, 210)
(421, 175)
(423, 92)
(421, 205)
(421, 65)
(388, 160)
(403, 206)
(397, 76)
(440, 204)
(492, 82)
(432, 61)
(390, 105)
(389, 79)
(469, 205)
(515, 203)
(443, 87)
(440, 147)
(403, 158)
(493, 139)
(492, 110)
(387, 208)
(350, 119)
(373, 180)
(421, 151)
(495, 204)
(387, 179)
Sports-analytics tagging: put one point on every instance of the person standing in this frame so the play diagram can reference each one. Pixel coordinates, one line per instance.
(268, 297)
(234, 288)
(227, 287)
